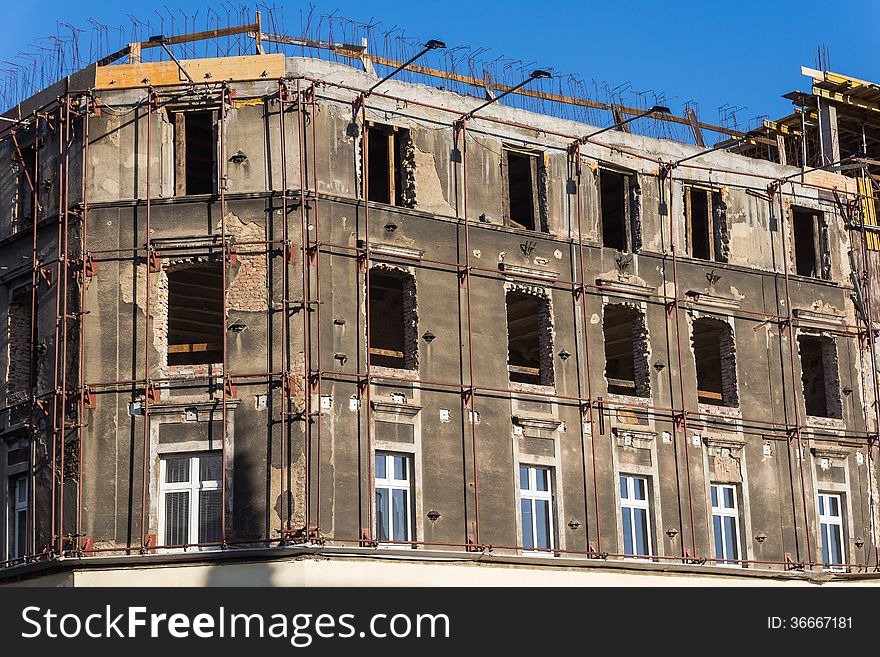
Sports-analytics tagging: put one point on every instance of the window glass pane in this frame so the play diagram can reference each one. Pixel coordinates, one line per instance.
(623, 493)
(728, 497)
(523, 478)
(640, 517)
(380, 466)
(209, 467)
(825, 541)
(542, 523)
(821, 505)
(400, 468)
(731, 547)
(715, 496)
(177, 517)
(177, 470)
(210, 525)
(382, 514)
(639, 488)
(834, 506)
(542, 479)
(527, 524)
(399, 503)
(627, 530)
(834, 548)
(719, 537)
(21, 533)
(21, 491)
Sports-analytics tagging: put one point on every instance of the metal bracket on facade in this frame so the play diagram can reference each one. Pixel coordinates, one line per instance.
(89, 397)
(90, 269)
(678, 421)
(230, 389)
(154, 261)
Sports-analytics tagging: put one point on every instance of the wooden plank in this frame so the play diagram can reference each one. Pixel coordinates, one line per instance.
(199, 36)
(215, 69)
(179, 154)
(780, 147)
(707, 394)
(521, 369)
(695, 127)
(190, 348)
(386, 352)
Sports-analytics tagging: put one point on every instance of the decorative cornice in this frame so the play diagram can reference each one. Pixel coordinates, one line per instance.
(623, 286)
(698, 297)
(396, 250)
(530, 272)
(545, 424)
(733, 444)
(806, 316)
(395, 408)
(633, 437)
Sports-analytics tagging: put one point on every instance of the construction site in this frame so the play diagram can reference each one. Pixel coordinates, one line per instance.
(338, 307)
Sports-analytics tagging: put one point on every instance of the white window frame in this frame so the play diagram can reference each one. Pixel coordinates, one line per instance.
(633, 504)
(532, 495)
(390, 484)
(193, 487)
(724, 512)
(826, 523)
(16, 508)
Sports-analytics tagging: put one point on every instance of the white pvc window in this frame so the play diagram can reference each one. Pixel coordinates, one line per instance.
(725, 522)
(536, 507)
(190, 500)
(18, 517)
(393, 497)
(831, 529)
(635, 515)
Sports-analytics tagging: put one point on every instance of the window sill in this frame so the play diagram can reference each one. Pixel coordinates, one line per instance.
(718, 409)
(825, 422)
(516, 386)
(397, 373)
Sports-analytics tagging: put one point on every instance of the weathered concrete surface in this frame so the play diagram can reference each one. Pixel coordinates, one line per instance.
(318, 467)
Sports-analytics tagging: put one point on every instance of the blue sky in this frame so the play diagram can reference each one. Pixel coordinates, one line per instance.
(744, 54)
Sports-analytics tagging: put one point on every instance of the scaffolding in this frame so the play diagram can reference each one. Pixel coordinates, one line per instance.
(64, 280)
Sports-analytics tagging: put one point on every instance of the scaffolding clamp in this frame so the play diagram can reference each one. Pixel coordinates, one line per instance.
(290, 253)
(791, 564)
(47, 275)
(89, 397)
(678, 420)
(229, 388)
(287, 385)
(367, 541)
(154, 260)
(90, 267)
(231, 256)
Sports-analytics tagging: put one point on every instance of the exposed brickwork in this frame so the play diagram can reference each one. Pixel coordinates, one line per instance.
(640, 344)
(546, 323)
(19, 375)
(247, 287)
(410, 313)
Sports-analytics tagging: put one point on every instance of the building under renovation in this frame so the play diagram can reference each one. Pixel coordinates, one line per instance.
(316, 315)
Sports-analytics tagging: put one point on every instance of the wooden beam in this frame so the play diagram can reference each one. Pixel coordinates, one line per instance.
(846, 99)
(695, 127)
(218, 69)
(199, 36)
